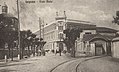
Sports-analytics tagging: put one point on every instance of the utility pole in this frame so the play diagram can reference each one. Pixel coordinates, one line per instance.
(40, 26)
(43, 29)
(40, 33)
(60, 45)
(19, 56)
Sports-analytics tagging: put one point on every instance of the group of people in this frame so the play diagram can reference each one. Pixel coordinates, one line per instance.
(58, 51)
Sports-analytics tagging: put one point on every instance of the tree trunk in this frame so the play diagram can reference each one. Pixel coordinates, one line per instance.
(60, 52)
(12, 52)
(9, 51)
(21, 51)
(28, 51)
(33, 50)
(73, 49)
(68, 49)
(37, 51)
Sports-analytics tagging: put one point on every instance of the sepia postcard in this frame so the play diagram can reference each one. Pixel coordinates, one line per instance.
(59, 35)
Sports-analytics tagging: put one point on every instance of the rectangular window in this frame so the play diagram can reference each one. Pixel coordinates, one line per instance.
(87, 32)
(60, 36)
(60, 27)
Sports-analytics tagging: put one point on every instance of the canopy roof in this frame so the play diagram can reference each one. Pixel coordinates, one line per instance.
(115, 39)
(91, 37)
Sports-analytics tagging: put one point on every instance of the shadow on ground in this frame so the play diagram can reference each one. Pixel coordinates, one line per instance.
(6, 70)
(5, 65)
(113, 59)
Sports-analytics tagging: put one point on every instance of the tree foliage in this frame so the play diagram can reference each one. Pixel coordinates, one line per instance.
(71, 35)
(8, 28)
(116, 19)
(9, 35)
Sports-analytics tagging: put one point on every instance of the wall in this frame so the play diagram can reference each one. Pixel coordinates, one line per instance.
(80, 47)
(50, 36)
(84, 31)
(104, 44)
(100, 42)
(52, 33)
(115, 49)
(15, 53)
(92, 45)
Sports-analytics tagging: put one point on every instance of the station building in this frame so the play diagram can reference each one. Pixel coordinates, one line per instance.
(93, 40)
(53, 34)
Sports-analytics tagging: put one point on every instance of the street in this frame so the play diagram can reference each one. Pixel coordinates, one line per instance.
(64, 63)
(72, 66)
(90, 64)
(34, 64)
(105, 64)
(59, 36)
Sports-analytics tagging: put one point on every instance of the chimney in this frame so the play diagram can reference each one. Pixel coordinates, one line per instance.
(56, 13)
(4, 8)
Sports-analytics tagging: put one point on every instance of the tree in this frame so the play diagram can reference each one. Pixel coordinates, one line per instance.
(71, 36)
(37, 43)
(23, 36)
(33, 36)
(27, 41)
(116, 19)
(8, 31)
(42, 43)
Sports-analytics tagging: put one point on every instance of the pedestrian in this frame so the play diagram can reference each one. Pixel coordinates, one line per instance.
(56, 52)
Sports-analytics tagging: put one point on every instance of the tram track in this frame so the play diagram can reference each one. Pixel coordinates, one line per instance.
(76, 68)
(77, 62)
(60, 65)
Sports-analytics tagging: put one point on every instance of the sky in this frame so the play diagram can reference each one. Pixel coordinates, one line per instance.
(99, 12)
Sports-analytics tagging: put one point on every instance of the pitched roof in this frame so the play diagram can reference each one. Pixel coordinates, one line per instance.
(105, 30)
(84, 25)
(78, 21)
(90, 37)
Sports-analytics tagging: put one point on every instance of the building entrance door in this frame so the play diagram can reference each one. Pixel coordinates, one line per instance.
(98, 49)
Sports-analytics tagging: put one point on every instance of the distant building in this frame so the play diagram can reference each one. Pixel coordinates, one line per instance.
(93, 40)
(96, 41)
(53, 32)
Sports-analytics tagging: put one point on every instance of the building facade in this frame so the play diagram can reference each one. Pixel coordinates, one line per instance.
(96, 41)
(93, 40)
(52, 33)
(115, 47)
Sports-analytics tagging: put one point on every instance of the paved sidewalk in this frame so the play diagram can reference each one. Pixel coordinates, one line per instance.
(34, 64)
(104, 64)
